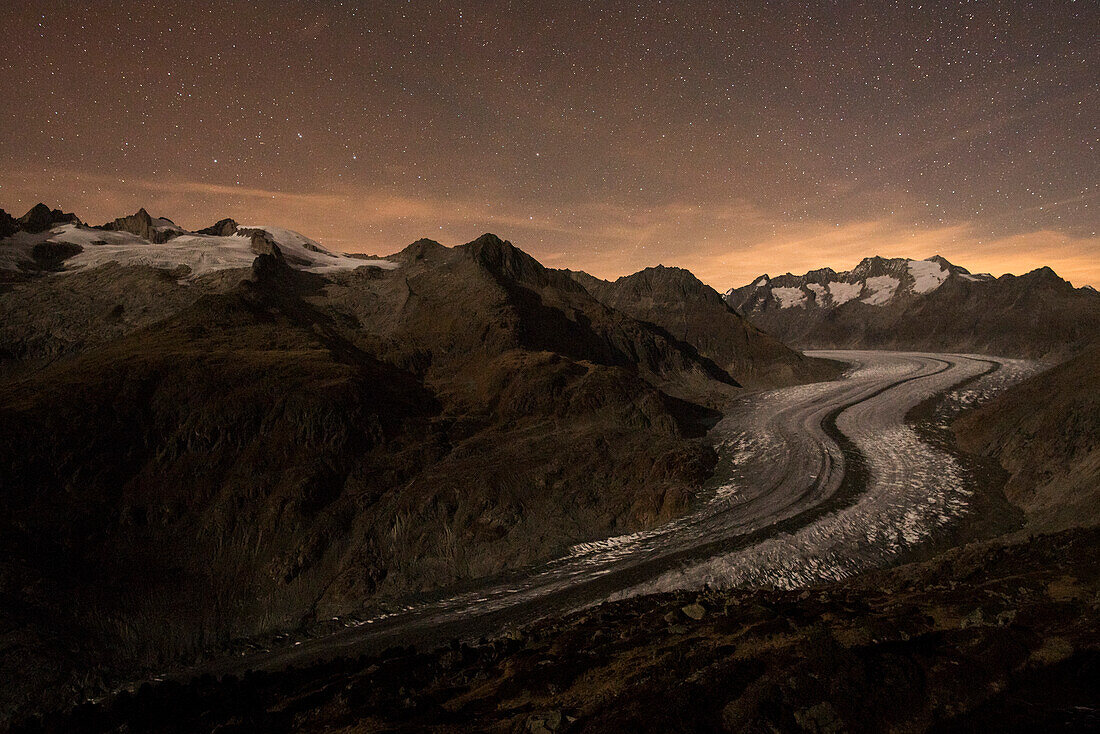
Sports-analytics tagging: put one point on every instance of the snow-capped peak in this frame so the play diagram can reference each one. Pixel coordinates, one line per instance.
(928, 275)
(875, 281)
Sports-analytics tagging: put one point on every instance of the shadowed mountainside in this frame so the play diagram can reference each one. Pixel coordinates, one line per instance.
(191, 461)
(1046, 433)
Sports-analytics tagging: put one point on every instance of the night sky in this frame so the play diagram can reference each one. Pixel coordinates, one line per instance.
(728, 138)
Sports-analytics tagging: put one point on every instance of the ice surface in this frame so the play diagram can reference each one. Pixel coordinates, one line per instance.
(844, 292)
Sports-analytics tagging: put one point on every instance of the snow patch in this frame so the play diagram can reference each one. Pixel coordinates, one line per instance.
(844, 292)
(979, 277)
(927, 275)
(789, 297)
(882, 289)
(763, 281)
(84, 237)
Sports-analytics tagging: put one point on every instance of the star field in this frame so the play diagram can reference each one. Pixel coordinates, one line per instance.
(728, 138)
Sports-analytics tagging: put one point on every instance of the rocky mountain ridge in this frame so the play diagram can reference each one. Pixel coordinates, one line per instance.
(677, 301)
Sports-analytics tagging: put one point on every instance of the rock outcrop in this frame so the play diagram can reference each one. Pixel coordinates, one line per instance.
(221, 228)
(9, 225)
(157, 231)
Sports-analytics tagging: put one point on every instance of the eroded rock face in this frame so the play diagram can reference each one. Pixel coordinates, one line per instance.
(1045, 432)
(269, 265)
(262, 244)
(221, 228)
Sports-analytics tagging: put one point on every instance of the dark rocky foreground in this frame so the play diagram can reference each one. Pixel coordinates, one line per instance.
(984, 638)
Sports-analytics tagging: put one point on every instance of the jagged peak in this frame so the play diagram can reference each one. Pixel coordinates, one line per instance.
(662, 274)
(142, 224)
(489, 240)
(140, 218)
(492, 251)
(662, 283)
(505, 260)
(36, 209)
(40, 217)
(669, 270)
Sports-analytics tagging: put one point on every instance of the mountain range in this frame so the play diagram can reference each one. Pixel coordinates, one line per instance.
(215, 435)
(241, 432)
(928, 304)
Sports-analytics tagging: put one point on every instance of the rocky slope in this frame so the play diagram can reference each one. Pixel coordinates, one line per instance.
(1045, 432)
(926, 305)
(689, 310)
(193, 451)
